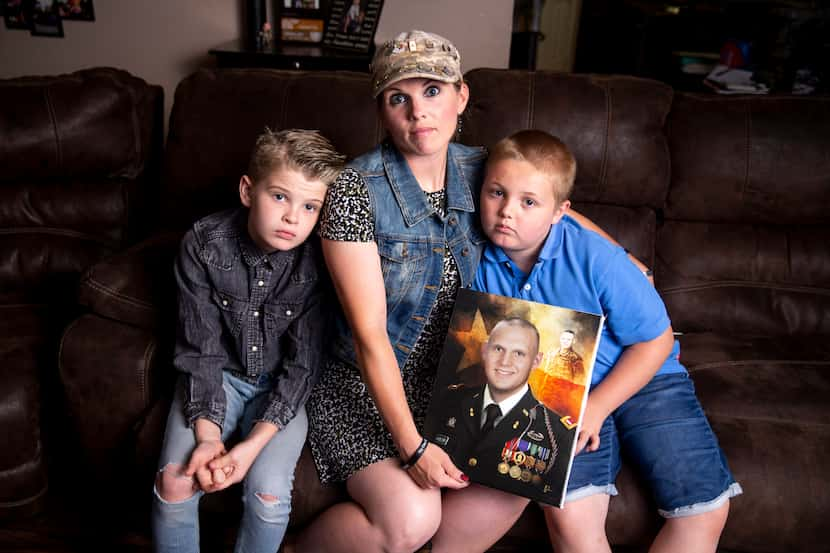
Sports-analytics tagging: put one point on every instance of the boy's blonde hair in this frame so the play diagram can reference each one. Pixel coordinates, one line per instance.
(546, 153)
(308, 152)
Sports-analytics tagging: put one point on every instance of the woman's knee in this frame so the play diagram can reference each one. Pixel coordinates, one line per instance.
(405, 534)
(172, 486)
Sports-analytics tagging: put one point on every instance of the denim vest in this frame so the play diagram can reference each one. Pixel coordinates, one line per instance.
(411, 237)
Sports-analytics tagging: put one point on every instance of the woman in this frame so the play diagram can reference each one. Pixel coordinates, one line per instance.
(400, 236)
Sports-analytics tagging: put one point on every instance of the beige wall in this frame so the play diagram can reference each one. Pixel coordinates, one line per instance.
(480, 29)
(162, 41)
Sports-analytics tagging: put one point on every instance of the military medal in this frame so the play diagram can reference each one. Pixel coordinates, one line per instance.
(515, 472)
(503, 468)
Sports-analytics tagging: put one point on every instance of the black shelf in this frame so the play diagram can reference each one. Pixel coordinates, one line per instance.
(290, 56)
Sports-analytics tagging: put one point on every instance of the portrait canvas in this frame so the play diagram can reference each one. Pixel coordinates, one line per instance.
(534, 362)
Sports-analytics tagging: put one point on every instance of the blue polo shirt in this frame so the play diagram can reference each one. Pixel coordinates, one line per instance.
(578, 269)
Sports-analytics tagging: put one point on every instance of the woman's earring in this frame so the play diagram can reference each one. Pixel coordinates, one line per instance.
(460, 125)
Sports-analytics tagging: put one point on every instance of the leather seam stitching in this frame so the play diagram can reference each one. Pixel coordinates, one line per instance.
(97, 286)
(741, 284)
(751, 362)
(50, 108)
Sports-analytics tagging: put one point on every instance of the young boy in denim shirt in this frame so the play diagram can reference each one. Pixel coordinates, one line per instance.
(251, 324)
(641, 400)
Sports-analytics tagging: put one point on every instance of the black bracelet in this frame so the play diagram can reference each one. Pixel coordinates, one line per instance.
(417, 455)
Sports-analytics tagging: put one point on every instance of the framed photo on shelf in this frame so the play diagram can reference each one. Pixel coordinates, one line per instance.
(17, 14)
(46, 19)
(352, 24)
(76, 10)
(302, 20)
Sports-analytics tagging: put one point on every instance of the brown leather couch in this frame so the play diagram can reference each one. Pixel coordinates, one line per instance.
(724, 197)
(78, 155)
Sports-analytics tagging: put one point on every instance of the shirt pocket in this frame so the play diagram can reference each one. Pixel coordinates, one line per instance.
(219, 254)
(232, 310)
(404, 264)
(279, 315)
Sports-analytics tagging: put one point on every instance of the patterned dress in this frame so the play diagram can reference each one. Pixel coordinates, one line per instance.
(346, 431)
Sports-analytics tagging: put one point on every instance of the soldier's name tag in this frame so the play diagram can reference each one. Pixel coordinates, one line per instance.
(442, 439)
(568, 422)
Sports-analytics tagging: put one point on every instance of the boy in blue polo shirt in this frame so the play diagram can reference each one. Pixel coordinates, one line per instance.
(641, 399)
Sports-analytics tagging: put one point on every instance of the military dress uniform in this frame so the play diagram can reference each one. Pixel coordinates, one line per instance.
(526, 453)
(567, 362)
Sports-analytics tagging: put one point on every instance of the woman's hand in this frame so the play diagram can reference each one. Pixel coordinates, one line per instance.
(435, 470)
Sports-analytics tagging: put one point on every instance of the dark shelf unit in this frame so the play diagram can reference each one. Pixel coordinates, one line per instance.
(290, 56)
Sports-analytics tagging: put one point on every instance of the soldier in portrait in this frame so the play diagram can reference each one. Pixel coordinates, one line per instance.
(499, 433)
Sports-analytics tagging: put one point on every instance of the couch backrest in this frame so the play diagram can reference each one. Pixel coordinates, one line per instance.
(218, 113)
(77, 153)
(747, 228)
(612, 124)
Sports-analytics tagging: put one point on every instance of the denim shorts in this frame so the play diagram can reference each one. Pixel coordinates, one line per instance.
(663, 433)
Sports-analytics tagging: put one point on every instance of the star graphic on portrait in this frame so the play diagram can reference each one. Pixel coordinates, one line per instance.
(471, 341)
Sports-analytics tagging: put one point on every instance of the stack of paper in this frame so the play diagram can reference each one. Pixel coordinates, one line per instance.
(726, 80)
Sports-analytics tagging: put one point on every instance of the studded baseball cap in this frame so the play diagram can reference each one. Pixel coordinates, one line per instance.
(415, 54)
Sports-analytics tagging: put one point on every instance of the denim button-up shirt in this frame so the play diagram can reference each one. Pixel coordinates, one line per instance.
(248, 312)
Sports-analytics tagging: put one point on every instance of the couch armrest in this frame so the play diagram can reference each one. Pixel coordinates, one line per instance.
(112, 374)
(135, 286)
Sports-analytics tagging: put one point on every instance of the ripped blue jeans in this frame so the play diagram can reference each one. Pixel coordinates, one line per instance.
(263, 525)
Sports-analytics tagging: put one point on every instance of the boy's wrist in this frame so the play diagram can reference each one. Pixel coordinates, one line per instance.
(207, 430)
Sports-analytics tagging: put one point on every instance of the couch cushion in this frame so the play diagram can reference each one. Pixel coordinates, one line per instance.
(753, 160)
(135, 286)
(218, 113)
(92, 122)
(764, 280)
(22, 463)
(767, 401)
(40, 265)
(633, 227)
(613, 125)
(93, 205)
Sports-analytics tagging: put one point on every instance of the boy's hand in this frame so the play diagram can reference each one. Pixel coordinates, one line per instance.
(205, 451)
(233, 465)
(592, 420)
(230, 468)
(435, 469)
